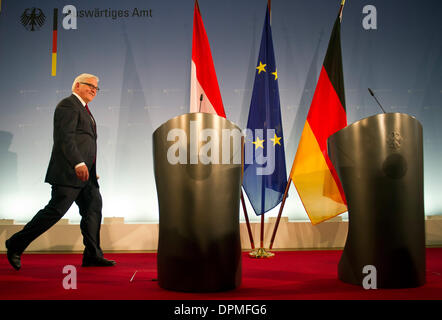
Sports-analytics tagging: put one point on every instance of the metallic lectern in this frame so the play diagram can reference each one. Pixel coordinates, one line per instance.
(198, 165)
(379, 161)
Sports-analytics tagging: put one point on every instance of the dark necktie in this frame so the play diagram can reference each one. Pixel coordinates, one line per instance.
(92, 117)
(89, 111)
(93, 121)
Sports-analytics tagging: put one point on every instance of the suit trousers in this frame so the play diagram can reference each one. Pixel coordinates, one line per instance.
(89, 202)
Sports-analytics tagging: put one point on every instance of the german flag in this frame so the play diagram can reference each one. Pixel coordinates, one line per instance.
(54, 43)
(312, 172)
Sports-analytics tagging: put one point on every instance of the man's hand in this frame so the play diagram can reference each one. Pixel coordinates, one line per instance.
(82, 172)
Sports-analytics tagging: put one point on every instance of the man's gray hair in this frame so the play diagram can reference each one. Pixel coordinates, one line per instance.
(83, 77)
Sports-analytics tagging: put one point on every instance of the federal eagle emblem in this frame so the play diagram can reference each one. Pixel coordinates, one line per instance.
(394, 140)
(32, 19)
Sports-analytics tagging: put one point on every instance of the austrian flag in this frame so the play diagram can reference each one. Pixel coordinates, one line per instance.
(204, 90)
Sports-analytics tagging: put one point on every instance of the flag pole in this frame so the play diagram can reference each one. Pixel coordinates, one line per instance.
(246, 216)
(269, 4)
(261, 240)
(289, 182)
(261, 252)
(341, 9)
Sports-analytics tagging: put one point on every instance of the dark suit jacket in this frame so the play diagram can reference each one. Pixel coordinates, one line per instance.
(75, 141)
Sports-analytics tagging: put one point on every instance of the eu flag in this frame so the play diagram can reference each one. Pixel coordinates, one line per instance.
(265, 176)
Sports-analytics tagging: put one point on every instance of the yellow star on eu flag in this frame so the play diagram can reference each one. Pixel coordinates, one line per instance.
(275, 74)
(261, 67)
(276, 140)
(258, 143)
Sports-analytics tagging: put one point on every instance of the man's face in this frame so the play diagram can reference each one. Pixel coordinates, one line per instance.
(86, 89)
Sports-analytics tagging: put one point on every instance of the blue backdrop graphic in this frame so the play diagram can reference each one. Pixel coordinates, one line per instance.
(143, 61)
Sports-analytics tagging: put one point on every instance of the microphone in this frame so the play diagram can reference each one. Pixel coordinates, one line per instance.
(201, 100)
(371, 92)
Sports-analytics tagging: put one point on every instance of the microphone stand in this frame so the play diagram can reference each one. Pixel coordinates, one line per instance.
(372, 94)
(201, 100)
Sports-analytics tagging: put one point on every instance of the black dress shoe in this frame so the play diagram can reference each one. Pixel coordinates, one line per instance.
(13, 257)
(97, 262)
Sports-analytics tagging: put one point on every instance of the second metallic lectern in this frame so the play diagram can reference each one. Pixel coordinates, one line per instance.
(198, 165)
(379, 161)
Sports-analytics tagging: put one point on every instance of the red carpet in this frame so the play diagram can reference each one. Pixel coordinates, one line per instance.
(290, 275)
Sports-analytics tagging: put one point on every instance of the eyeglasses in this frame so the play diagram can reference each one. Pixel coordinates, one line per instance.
(91, 86)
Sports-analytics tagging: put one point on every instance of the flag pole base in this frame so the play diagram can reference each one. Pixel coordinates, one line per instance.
(260, 253)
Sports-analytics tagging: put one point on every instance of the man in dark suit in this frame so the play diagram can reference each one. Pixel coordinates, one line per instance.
(72, 174)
